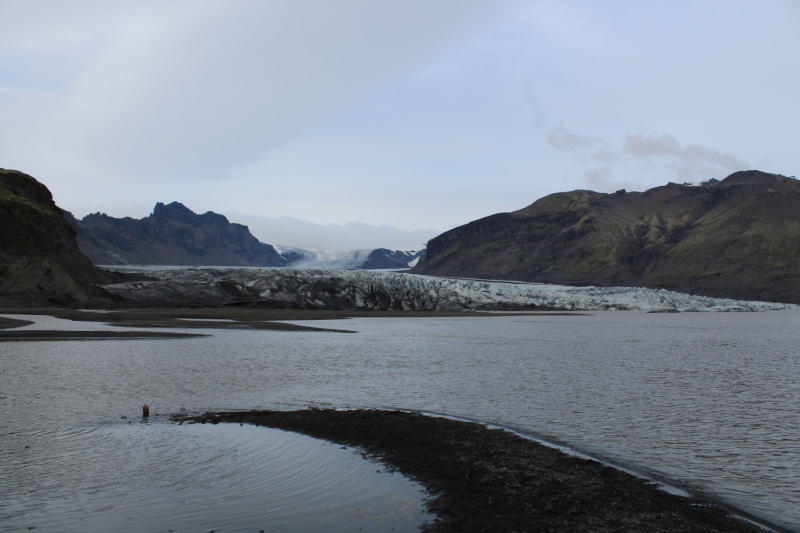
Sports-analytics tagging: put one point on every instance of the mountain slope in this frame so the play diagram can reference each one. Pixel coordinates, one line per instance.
(171, 235)
(40, 263)
(738, 238)
(385, 258)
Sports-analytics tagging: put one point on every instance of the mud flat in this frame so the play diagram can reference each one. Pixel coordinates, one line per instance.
(60, 335)
(8, 323)
(233, 317)
(493, 480)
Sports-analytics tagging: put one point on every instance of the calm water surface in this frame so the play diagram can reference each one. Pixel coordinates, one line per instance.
(711, 400)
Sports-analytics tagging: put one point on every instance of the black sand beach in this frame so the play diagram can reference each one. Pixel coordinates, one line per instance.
(492, 480)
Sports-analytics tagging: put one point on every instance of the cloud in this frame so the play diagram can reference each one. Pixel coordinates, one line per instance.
(638, 145)
(191, 90)
(645, 155)
(562, 139)
(535, 103)
(600, 179)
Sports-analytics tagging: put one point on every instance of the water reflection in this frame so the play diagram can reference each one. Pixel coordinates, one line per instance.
(709, 399)
(161, 477)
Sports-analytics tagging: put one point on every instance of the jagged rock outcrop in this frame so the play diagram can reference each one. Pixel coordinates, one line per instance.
(40, 263)
(171, 235)
(738, 238)
(375, 290)
(385, 258)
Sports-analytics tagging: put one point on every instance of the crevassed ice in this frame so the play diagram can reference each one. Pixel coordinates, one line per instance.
(468, 293)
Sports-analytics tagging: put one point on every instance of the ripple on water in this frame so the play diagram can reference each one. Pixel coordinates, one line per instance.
(157, 477)
(709, 400)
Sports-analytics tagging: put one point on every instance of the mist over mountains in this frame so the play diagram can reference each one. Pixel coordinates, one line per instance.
(173, 234)
(298, 233)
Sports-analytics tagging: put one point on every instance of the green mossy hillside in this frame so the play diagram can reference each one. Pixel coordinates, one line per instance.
(737, 238)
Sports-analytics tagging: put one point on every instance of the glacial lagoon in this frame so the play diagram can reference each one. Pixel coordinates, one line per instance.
(709, 400)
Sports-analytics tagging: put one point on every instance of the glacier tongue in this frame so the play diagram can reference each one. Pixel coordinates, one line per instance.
(333, 260)
(368, 289)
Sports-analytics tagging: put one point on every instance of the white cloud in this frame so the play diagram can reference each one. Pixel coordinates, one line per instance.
(646, 155)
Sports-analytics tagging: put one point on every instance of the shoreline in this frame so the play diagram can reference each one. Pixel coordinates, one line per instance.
(661, 483)
(76, 335)
(253, 318)
(486, 478)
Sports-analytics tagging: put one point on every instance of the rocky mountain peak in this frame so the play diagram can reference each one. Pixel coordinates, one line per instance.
(178, 212)
(173, 235)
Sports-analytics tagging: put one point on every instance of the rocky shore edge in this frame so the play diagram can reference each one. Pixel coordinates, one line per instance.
(492, 480)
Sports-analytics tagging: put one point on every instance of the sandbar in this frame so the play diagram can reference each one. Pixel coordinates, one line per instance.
(492, 480)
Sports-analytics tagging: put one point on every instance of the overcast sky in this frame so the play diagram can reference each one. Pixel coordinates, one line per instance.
(416, 114)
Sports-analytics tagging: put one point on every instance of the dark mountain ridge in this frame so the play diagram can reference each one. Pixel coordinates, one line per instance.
(737, 238)
(383, 258)
(40, 262)
(172, 235)
(175, 235)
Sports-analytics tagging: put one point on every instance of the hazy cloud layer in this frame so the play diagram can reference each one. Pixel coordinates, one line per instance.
(411, 113)
(687, 163)
(290, 231)
(561, 138)
(189, 90)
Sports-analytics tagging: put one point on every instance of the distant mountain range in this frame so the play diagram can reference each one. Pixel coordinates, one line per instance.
(735, 238)
(47, 256)
(175, 235)
(738, 238)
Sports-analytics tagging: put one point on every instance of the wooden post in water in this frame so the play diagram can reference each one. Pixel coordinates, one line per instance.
(146, 411)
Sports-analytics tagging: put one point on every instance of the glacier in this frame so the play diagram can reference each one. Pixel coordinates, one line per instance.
(301, 258)
(387, 290)
(330, 259)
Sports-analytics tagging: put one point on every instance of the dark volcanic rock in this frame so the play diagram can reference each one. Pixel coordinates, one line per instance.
(738, 238)
(491, 480)
(385, 258)
(172, 235)
(40, 263)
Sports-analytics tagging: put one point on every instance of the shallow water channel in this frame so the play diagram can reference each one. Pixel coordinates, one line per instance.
(707, 399)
